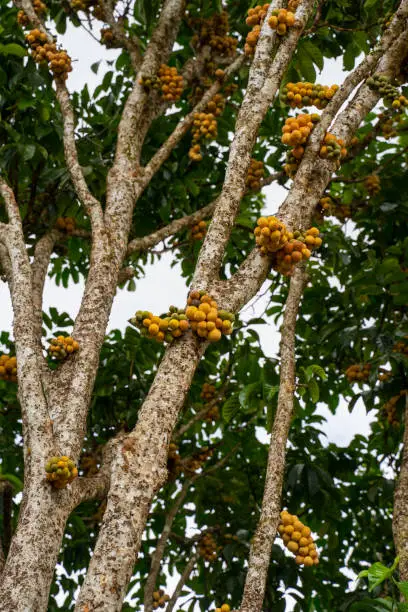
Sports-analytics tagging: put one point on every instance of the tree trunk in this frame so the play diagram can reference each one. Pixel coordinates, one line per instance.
(400, 519)
(30, 564)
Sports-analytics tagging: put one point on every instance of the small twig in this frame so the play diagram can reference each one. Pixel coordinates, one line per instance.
(183, 579)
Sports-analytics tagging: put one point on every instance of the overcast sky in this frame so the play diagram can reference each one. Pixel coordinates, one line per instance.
(163, 285)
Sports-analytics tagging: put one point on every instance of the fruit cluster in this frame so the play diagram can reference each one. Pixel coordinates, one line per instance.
(372, 184)
(213, 414)
(296, 132)
(296, 249)
(42, 51)
(223, 608)
(65, 224)
(207, 392)
(213, 32)
(384, 375)
(89, 5)
(60, 471)
(160, 599)
(174, 464)
(270, 234)
(280, 20)
(389, 92)
(161, 329)
(298, 539)
(205, 319)
(255, 19)
(61, 347)
(205, 125)
(389, 410)
(108, 38)
(358, 372)
(333, 148)
(256, 172)
(168, 81)
(329, 206)
(194, 463)
(8, 368)
(204, 128)
(298, 95)
(207, 547)
(388, 125)
(171, 83)
(39, 8)
(199, 230)
(401, 346)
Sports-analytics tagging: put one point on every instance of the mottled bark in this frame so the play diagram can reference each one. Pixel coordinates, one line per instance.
(138, 471)
(400, 516)
(261, 546)
(264, 79)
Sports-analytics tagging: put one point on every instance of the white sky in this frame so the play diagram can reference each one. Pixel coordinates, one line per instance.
(163, 285)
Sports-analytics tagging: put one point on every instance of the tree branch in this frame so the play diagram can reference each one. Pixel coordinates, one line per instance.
(400, 514)
(183, 579)
(32, 399)
(264, 79)
(147, 242)
(132, 126)
(90, 203)
(163, 153)
(314, 173)
(130, 44)
(259, 556)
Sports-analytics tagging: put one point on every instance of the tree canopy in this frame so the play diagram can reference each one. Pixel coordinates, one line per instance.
(351, 341)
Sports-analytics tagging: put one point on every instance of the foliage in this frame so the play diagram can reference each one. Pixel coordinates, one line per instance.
(354, 311)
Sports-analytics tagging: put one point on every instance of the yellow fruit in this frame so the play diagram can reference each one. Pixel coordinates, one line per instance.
(214, 335)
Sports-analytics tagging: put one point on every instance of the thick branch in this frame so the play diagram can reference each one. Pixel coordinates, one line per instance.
(312, 176)
(133, 123)
(262, 541)
(138, 471)
(182, 581)
(28, 352)
(264, 79)
(400, 516)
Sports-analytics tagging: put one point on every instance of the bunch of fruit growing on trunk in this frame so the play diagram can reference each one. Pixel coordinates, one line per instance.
(255, 174)
(8, 368)
(206, 320)
(298, 539)
(62, 347)
(160, 599)
(298, 95)
(358, 372)
(60, 471)
(42, 51)
(161, 329)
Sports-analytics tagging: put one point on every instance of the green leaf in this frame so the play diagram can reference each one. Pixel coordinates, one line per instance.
(377, 573)
(403, 587)
(313, 388)
(13, 49)
(314, 52)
